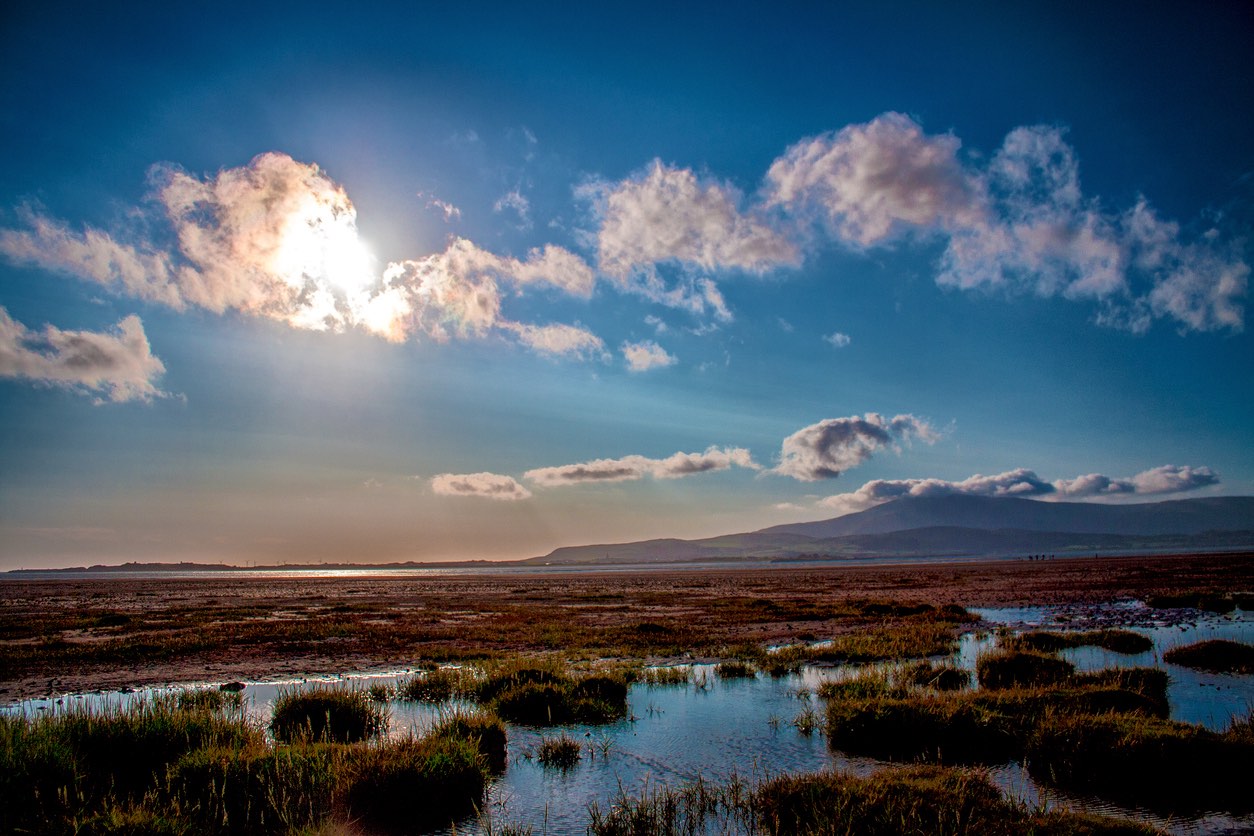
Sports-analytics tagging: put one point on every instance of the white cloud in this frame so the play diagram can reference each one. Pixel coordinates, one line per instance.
(667, 214)
(838, 340)
(119, 365)
(646, 355)
(481, 485)
(514, 201)
(560, 340)
(873, 181)
(143, 272)
(448, 210)
(278, 238)
(1022, 482)
(633, 468)
(834, 445)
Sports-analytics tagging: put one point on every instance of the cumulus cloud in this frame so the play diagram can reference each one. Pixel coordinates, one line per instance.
(278, 238)
(834, 445)
(1021, 222)
(482, 485)
(668, 214)
(870, 182)
(838, 340)
(560, 340)
(634, 468)
(646, 355)
(1041, 234)
(117, 365)
(1022, 482)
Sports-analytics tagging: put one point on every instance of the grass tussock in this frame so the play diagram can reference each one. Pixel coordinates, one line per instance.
(547, 696)
(1046, 641)
(484, 729)
(916, 800)
(439, 685)
(562, 752)
(940, 677)
(333, 715)
(665, 676)
(735, 669)
(1018, 668)
(1165, 765)
(1215, 655)
(157, 768)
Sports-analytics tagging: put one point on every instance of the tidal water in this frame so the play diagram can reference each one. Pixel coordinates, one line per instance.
(716, 729)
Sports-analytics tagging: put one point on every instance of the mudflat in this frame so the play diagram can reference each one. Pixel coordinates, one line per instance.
(81, 635)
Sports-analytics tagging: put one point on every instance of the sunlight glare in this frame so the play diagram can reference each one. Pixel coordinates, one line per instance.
(320, 244)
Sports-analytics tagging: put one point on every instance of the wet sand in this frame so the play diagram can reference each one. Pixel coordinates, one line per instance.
(79, 635)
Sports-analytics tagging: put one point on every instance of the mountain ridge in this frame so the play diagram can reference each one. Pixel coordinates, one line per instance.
(956, 524)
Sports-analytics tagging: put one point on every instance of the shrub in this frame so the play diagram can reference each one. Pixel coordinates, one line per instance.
(327, 714)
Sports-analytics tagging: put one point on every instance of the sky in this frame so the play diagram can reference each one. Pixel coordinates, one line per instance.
(389, 282)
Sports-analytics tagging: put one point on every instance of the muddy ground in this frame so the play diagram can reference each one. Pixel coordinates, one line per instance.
(79, 635)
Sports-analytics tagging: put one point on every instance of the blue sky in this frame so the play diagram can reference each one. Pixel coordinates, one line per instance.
(446, 281)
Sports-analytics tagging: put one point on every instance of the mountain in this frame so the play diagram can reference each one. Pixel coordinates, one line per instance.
(958, 525)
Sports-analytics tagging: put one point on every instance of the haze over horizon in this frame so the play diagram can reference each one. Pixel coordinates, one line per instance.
(415, 282)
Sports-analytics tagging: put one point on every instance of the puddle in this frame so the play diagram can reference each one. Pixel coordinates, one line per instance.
(744, 727)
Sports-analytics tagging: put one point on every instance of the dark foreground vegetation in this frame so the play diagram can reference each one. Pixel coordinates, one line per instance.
(162, 768)
(1216, 655)
(1104, 733)
(913, 800)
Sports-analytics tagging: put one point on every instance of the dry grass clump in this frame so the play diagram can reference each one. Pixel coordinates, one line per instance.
(735, 669)
(663, 676)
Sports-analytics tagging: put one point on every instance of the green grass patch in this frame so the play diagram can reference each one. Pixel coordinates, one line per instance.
(484, 729)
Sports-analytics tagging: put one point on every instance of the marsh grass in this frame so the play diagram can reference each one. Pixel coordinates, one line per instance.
(208, 699)
(735, 669)
(325, 714)
(1018, 668)
(666, 676)
(941, 677)
(1214, 655)
(157, 768)
(1044, 641)
(484, 729)
(547, 696)
(1167, 766)
(439, 685)
(913, 800)
(561, 752)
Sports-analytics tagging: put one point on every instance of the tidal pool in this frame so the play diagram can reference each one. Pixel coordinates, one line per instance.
(746, 727)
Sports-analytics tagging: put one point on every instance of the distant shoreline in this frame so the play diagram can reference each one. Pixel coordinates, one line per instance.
(175, 571)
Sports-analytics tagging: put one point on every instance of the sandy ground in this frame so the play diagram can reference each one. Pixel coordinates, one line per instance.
(403, 619)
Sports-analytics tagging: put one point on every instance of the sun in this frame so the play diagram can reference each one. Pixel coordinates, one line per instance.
(319, 243)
